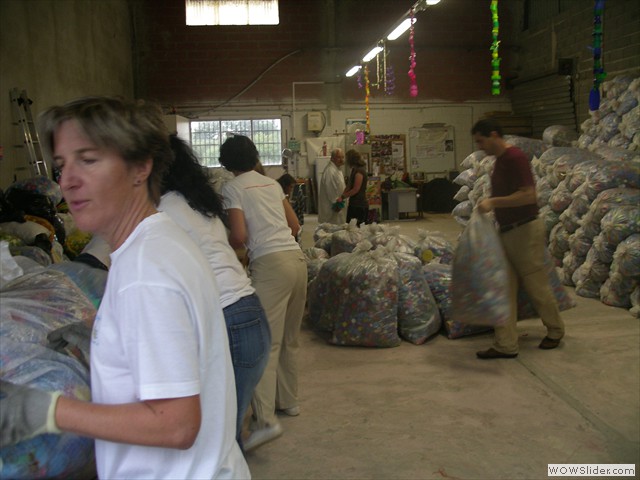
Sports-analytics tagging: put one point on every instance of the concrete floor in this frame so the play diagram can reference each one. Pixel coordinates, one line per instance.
(434, 411)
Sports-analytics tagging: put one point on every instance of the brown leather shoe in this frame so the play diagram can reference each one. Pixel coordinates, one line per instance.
(549, 343)
(493, 353)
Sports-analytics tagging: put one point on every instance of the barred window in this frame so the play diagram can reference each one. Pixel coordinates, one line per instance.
(266, 134)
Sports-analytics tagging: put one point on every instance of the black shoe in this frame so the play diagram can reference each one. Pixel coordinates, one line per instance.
(493, 353)
(549, 343)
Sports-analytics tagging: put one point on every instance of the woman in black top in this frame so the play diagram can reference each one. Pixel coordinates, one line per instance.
(356, 188)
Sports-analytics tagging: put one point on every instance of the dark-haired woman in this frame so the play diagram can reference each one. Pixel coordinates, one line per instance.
(356, 190)
(192, 203)
(261, 219)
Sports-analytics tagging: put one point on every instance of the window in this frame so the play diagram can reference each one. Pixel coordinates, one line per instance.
(207, 136)
(232, 12)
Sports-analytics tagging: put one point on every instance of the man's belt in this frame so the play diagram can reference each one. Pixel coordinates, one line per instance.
(511, 226)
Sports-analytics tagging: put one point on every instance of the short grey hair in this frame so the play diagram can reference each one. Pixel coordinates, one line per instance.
(135, 130)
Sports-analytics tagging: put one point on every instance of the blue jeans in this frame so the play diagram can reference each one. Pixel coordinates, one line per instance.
(250, 343)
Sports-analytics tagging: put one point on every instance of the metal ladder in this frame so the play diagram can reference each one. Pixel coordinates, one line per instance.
(21, 105)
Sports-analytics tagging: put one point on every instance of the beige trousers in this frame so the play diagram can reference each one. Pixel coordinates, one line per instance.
(524, 247)
(280, 280)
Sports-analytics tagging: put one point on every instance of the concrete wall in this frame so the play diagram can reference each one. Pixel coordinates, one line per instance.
(58, 50)
(569, 35)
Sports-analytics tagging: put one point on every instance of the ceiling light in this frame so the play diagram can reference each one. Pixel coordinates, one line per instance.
(353, 70)
(400, 29)
(374, 51)
(433, 2)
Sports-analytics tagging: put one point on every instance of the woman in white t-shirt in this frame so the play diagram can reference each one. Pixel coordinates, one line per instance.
(163, 403)
(190, 200)
(262, 221)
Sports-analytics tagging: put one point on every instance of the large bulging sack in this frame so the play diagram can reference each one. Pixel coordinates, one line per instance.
(355, 297)
(480, 286)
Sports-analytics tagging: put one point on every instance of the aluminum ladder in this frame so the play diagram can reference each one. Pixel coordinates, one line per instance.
(21, 105)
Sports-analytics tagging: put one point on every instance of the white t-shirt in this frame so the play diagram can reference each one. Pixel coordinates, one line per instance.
(331, 187)
(210, 235)
(160, 333)
(260, 198)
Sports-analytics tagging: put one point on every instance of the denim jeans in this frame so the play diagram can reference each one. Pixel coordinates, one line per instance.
(250, 343)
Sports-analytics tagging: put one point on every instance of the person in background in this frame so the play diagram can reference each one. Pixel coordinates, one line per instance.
(331, 189)
(295, 196)
(260, 220)
(522, 235)
(163, 397)
(356, 190)
(191, 202)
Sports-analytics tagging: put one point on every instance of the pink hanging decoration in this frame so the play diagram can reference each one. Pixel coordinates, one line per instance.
(413, 87)
(359, 77)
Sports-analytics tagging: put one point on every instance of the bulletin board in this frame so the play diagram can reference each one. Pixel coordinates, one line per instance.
(432, 149)
(388, 154)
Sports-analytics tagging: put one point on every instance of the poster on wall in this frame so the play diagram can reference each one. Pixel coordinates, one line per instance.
(352, 126)
(432, 149)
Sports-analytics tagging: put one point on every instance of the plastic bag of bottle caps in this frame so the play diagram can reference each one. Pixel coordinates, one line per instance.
(438, 278)
(560, 198)
(433, 247)
(626, 259)
(473, 159)
(620, 222)
(617, 290)
(346, 240)
(604, 202)
(466, 177)
(355, 297)
(635, 302)
(418, 315)
(559, 135)
(395, 240)
(570, 264)
(480, 278)
(462, 194)
(531, 147)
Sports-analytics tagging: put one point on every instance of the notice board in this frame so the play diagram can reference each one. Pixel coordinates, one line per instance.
(432, 149)
(388, 154)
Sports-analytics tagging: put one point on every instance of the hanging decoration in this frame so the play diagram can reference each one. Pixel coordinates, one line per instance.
(359, 78)
(390, 81)
(495, 59)
(413, 87)
(598, 70)
(366, 98)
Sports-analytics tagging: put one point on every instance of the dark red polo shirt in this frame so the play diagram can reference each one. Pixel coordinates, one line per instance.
(512, 171)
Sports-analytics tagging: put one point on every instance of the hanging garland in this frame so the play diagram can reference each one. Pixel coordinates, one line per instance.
(495, 59)
(598, 70)
(413, 87)
(359, 78)
(391, 81)
(366, 98)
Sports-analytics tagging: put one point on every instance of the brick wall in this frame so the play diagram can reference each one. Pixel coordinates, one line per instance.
(180, 65)
(569, 35)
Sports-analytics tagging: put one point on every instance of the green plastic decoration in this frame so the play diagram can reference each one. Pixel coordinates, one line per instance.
(495, 59)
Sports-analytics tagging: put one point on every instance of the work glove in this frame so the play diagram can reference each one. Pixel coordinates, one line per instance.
(25, 413)
(73, 340)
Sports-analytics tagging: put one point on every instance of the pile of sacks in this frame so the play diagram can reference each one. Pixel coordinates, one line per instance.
(616, 123)
(588, 194)
(367, 286)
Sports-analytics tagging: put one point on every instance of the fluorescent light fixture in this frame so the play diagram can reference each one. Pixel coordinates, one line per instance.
(433, 2)
(374, 51)
(400, 29)
(353, 70)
